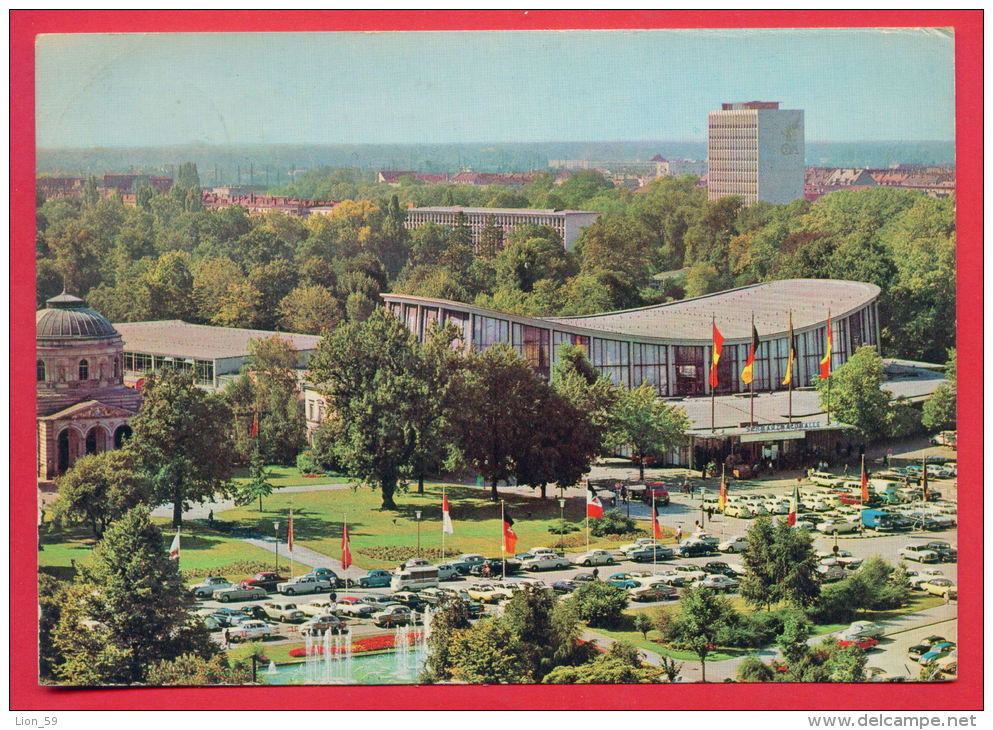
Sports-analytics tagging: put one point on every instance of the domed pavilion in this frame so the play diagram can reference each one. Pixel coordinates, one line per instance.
(83, 405)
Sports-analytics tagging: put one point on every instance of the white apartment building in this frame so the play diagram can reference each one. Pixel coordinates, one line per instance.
(755, 150)
(567, 223)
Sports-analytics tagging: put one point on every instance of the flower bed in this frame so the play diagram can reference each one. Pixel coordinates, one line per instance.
(366, 643)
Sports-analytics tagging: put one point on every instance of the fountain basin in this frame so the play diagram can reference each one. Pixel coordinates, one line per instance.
(375, 669)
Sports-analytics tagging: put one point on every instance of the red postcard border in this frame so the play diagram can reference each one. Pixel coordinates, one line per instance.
(25, 694)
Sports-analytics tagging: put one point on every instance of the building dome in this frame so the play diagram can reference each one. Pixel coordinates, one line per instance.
(66, 318)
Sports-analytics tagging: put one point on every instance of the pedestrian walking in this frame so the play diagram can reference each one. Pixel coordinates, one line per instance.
(486, 570)
(679, 533)
(624, 494)
(596, 574)
(710, 513)
(227, 639)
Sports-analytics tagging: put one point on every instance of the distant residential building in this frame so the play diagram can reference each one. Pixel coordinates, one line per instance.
(755, 150)
(634, 174)
(937, 182)
(567, 223)
(266, 203)
(481, 179)
(392, 177)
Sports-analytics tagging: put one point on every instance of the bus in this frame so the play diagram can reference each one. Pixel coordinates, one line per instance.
(414, 578)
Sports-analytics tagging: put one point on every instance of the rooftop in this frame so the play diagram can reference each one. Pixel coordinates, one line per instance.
(497, 211)
(808, 299)
(177, 338)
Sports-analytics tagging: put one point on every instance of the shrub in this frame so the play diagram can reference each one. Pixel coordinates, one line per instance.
(613, 522)
(600, 604)
(562, 527)
(753, 669)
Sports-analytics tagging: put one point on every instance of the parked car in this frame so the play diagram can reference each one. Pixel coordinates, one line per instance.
(866, 628)
(653, 592)
(949, 663)
(739, 510)
(657, 489)
(465, 562)
(920, 553)
(916, 577)
(393, 616)
(716, 567)
(836, 524)
(250, 630)
(210, 585)
(650, 554)
(283, 611)
(378, 600)
(320, 607)
(690, 573)
(319, 625)
(640, 543)
(376, 579)
(544, 562)
(484, 593)
(267, 581)
(734, 545)
(940, 587)
(936, 652)
(220, 618)
(325, 574)
(496, 567)
(719, 583)
(564, 586)
(584, 577)
(670, 577)
(411, 600)
(305, 584)
(448, 571)
(595, 557)
(824, 479)
(946, 553)
(240, 593)
(831, 574)
(352, 606)
(623, 580)
(862, 642)
(918, 650)
(692, 549)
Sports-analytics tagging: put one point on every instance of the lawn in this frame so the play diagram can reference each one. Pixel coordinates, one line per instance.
(383, 539)
(289, 476)
(203, 551)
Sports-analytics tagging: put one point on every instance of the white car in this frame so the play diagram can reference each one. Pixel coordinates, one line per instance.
(594, 557)
(740, 510)
(689, 573)
(865, 628)
(836, 524)
(920, 553)
(319, 607)
(720, 583)
(916, 577)
(641, 542)
(757, 508)
(735, 545)
(544, 561)
(305, 584)
(248, 630)
(210, 585)
(777, 507)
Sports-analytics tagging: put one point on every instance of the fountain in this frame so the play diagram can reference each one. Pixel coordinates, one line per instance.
(401, 656)
(272, 668)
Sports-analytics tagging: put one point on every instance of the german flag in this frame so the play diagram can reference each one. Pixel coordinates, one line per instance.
(826, 360)
(718, 347)
(791, 357)
(748, 374)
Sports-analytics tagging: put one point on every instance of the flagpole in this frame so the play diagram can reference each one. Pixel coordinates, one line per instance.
(713, 389)
(827, 340)
(443, 522)
(289, 538)
(503, 540)
(751, 385)
(790, 357)
(655, 544)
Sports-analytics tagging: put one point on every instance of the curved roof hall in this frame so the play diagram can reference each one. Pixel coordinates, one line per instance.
(67, 318)
(771, 302)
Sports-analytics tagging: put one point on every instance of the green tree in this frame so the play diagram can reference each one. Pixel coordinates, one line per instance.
(856, 396)
(181, 440)
(845, 664)
(794, 566)
(498, 393)
(309, 309)
(100, 488)
(704, 615)
(940, 410)
(599, 603)
(610, 668)
(490, 239)
(129, 609)
(646, 424)
(525, 262)
(753, 669)
(191, 670)
(258, 484)
(643, 624)
(368, 372)
(792, 642)
(489, 654)
(451, 619)
(758, 585)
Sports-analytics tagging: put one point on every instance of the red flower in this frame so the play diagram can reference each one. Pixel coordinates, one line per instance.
(366, 643)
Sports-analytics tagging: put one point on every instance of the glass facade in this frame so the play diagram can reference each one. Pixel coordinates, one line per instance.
(672, 369)
(137, 363)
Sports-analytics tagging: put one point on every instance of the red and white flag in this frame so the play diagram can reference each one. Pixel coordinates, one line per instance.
(346, 555)
(794, 506)
(594, 507)
(174, 548)
(446, 518)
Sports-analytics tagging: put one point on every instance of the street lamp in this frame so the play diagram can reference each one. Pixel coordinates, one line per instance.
(561, 521)
(417, 517)
(275, 527)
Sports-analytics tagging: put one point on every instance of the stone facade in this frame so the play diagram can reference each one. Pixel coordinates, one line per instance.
(83, 405)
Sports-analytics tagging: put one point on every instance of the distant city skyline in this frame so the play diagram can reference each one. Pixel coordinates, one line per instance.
(478, 87)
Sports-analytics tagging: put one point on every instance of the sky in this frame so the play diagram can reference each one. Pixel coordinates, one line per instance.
(497, 86)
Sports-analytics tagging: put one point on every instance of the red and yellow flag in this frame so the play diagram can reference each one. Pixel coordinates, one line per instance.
(717, 348)
(826, 360)
(791, 357)
(748, 374)
(722, 498)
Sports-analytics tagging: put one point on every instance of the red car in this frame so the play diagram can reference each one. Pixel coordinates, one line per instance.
(864, 644)
(851, 499)
(267, 581)
(660, 492)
